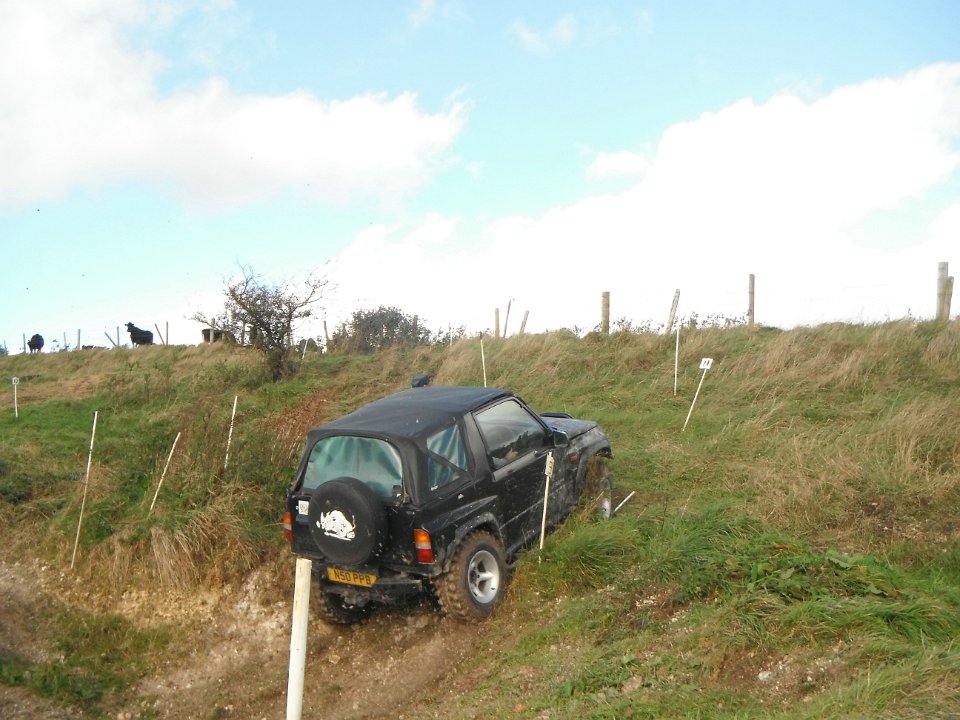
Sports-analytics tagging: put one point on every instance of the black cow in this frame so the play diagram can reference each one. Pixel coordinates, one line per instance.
(138, 336)
(35, 343)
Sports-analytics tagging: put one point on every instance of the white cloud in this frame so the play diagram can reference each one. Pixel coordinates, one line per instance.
(772, 189)
(562, 33)
(623, 163)
(79, 106)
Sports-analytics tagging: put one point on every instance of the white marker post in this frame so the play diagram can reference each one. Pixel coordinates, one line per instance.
(298, 639)
(676, 362)
(163, 474)
(483, 361)
(86, 483)
(230, 434)
(704, 365)
(16, 412)
(548, 472)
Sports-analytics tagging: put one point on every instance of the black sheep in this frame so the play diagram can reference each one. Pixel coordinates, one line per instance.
(35, 343)
(138, 336)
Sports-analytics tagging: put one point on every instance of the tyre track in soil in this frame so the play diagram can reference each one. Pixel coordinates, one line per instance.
(232, 652)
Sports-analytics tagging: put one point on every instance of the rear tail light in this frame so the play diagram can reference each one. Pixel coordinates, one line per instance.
(421, 539)
(288, 527)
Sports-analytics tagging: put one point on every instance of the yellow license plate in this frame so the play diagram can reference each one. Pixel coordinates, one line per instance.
(350, 577)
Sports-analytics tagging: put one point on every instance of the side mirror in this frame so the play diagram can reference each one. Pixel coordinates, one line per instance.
(560, 439)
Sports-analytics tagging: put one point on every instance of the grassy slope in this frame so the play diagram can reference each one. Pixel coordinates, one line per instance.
(793, 553)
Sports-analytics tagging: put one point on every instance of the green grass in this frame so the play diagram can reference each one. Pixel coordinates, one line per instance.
(100, 657)
(803, 526)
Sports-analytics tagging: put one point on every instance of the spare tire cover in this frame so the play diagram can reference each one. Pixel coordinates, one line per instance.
(347, 521)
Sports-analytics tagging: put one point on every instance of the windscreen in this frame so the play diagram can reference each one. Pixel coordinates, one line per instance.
(374, 462)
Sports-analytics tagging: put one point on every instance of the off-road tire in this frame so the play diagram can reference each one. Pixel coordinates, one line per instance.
(596, 495)
(477, 579)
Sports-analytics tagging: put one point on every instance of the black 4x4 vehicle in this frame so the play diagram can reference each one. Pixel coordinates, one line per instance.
(435, 489)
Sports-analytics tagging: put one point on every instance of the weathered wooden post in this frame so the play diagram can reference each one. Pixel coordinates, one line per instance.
(506, 320)
(750, 308)
(523, 324)
(605, 313)
(944, 292)
(496, 322)
(24, 343)
(673, 312)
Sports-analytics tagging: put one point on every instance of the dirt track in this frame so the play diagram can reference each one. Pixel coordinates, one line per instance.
(235, 644)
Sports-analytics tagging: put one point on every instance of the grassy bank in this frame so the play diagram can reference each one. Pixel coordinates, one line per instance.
(794, 552)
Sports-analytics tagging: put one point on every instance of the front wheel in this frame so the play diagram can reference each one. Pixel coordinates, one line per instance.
(477, 578)
(597, 493)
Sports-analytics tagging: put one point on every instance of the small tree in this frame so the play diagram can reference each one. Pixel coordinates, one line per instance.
(373, 330)
(263, 315)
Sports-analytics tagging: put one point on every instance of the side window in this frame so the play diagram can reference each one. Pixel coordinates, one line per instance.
(445, 455)
(508, 431)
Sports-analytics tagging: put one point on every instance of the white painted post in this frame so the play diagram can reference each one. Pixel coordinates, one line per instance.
(86, 483)
(483, 362)
(24, 343)
(164, 473)
(704, 365)
(78, 341)
(676, 362)
(298, 639)
(16, 381)
(622, 503)
(230, 434)
(548, 473)
(304, 352)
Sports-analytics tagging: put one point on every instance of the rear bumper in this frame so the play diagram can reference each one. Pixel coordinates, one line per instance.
(385, 590)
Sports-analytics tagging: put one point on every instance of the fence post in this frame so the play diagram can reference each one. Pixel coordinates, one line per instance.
(751, 316)
(605, 313)
(496, 322)
(673, 312)
(944, 292)
(506, 320)
(523, 325)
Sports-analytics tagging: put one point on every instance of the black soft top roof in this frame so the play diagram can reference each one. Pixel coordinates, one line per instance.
(410, 413)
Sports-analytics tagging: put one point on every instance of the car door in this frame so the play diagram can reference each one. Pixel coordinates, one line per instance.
(516, 446)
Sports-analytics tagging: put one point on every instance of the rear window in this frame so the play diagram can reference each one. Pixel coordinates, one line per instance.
(374, 462)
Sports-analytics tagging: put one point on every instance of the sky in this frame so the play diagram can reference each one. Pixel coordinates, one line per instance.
(452, 158)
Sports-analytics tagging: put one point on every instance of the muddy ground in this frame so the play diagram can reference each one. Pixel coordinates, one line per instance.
(234, 653)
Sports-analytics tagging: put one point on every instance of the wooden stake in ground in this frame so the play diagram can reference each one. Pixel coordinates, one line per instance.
(163, 474)
(483, 361)
(230, 434)
(704, 365)
(676, 362)
(86, 483)
(548, 472)
(16, 412)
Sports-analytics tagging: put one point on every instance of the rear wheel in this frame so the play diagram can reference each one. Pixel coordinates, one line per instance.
(334, 609)
(477, 578)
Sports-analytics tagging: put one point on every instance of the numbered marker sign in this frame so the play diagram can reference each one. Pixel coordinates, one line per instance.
(15, 381)
(706, 363)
